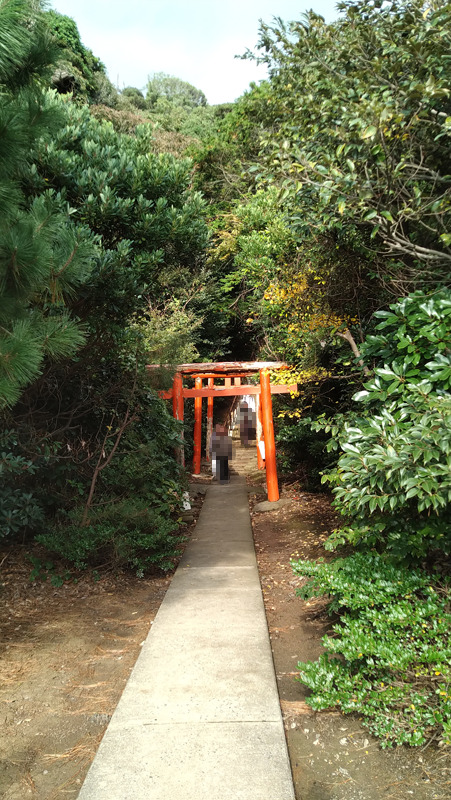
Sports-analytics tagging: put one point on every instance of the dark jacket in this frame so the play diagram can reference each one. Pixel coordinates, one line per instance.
(221, 445)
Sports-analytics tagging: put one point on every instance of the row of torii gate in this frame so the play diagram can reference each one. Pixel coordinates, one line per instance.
(233, 373)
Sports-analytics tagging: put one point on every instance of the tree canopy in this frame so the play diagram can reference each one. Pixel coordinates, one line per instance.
(77, 70)
(363, 127)
(162, 86)
(43, 257)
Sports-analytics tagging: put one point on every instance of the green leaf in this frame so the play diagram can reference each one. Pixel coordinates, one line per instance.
(369, 132)
(370, 215)
(388, 215)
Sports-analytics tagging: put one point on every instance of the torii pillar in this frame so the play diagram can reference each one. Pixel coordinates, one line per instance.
(260, 461)
(177, 411)
(197, 428)
(211, 383)
(268, 433)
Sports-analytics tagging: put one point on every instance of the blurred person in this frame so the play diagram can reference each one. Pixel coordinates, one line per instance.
(221, 451)
(248, 423)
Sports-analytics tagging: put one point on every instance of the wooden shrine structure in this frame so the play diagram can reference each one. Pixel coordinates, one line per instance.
(235, 375)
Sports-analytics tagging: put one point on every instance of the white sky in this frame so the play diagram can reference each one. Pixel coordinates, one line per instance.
(195, 40)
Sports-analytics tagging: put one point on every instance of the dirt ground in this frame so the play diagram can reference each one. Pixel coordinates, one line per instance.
(66, 653)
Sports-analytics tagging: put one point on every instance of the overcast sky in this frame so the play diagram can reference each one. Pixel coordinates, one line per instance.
(195, 40)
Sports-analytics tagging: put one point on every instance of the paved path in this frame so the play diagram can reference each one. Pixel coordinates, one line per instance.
(199, 718)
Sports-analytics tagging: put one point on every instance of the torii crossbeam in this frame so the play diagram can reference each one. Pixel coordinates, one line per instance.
(229, 371)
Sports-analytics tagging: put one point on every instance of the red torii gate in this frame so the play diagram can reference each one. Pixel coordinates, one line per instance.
(236, 371)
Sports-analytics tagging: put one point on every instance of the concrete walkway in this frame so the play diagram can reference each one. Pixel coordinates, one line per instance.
(200, 718)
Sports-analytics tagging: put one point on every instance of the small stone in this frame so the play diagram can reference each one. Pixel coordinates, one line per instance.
(197, 489)
(267, 505)
(100, 719)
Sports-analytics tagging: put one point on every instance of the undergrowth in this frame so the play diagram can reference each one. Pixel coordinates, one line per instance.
(126, 534)
(388, 657)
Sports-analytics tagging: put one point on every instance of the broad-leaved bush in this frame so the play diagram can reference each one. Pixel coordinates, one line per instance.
(392, 481)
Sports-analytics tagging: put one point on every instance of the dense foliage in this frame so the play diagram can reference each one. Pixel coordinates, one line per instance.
(150, 235)
(77, 69)
(392, 479)
(369, 142)
(43, 257)
(102, 243)
(388, 658)
(166, 87)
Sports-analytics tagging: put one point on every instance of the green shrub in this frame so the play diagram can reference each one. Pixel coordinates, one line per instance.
(302, 450)
(19, 508)
(122, 534)
(392, 480)
(388, 658)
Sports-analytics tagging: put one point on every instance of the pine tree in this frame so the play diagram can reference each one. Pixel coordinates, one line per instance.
(42, 255)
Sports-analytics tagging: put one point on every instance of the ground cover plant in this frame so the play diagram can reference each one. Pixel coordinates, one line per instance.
(388, 655)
